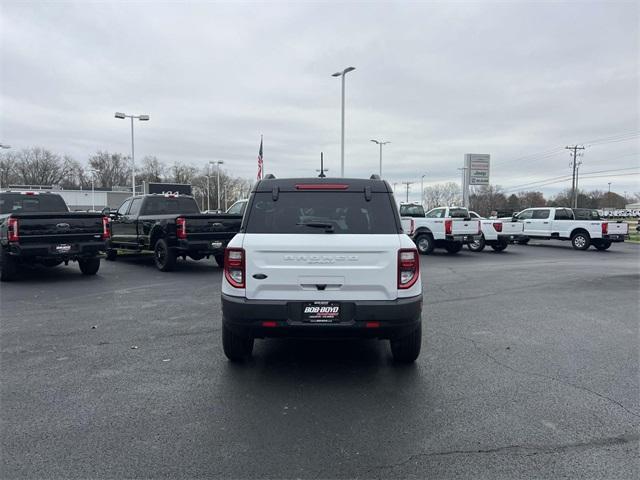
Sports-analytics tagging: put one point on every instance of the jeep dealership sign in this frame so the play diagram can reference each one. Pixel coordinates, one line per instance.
(477, 166)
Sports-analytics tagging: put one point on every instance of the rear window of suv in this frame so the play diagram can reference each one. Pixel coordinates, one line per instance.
(322, 213)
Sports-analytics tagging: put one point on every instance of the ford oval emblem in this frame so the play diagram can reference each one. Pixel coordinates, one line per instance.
(62, 225)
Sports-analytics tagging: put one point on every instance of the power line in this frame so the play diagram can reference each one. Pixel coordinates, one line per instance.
(583, 177)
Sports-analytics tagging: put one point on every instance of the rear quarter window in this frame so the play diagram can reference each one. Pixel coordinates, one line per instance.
(321, 213)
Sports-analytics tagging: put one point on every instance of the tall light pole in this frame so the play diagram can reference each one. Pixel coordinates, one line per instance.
(381, 143)
(609, 195)
(218, 163)
(2, 169)
(422, 189)
(209, 185)
(142, 118)
(342, 74)
(93, 191)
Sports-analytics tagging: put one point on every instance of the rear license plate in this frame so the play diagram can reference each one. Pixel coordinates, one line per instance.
(63, 248)
(321, 312)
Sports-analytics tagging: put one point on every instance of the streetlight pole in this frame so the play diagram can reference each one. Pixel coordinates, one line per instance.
(422, 189)
(3, 146)
(381, 143)
(342, 74)
(208, 185)
(142, 118)
(218, 163)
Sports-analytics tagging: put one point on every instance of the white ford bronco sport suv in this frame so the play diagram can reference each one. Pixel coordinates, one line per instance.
(321, 257)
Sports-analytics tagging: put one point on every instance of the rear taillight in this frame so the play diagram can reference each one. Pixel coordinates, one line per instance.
(234, 267)
(448, 227)
(497, 226)
(106, 228)
(605, 228)
(12, 232)
(181, 228)
(408, 268)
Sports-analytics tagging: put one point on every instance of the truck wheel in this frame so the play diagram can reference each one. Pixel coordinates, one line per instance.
(425, 244)
(602, 245)
(406, 349)
(581, 241)
(478, 245)
(220, 260)
(164, 257)
(89, 266)
(453, 247)
(8, 266)
(236, 347)
(112, 254)
(499, 247)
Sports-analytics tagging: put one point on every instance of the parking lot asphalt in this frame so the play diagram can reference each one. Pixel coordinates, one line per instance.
(529, 369)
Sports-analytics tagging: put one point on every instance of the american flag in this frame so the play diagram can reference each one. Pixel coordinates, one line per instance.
(260, 173)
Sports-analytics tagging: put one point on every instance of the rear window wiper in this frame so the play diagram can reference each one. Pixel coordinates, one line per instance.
(328, 227)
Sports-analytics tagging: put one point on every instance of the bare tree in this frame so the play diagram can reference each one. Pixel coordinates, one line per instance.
(153, 170)
(39, 166)
(486, 199)
(442, 194)
(112, 169)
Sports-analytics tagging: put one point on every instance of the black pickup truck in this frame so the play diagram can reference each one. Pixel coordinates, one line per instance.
(171, 226)
(37, 227)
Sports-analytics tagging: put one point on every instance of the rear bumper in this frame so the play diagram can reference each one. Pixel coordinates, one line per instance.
(54, 251)
(463, 238)
(613, 238)
(203, 247)
(392, 318)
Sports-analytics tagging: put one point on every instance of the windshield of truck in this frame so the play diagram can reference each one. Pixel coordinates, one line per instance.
(22, 203)
(169, 205)
(321, 213)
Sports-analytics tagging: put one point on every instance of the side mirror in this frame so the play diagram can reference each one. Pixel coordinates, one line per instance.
(106, 211)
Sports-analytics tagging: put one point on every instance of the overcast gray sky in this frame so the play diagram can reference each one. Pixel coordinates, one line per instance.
(438, 80)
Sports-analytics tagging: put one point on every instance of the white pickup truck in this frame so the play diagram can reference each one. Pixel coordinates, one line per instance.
(495, 233)
(560, 223)
(443, 227)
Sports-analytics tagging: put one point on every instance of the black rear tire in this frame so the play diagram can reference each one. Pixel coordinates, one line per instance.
(499, 247)
(89, 266)
(164, 256)
(453, 247)
(425, 243)
(581, 241)
(112, 254)
(603, 245)
(407, 349)
(478, 245)
(8, 266)
(220, 260)
(237, 348)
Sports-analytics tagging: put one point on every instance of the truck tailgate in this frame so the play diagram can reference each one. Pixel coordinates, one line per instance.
(512, 228)
(465, 227)
(618, 228)
(58, 227)
(210, 227)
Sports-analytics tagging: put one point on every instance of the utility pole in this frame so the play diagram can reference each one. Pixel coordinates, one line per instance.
(408, 184)
(574, 181)
(609, 195)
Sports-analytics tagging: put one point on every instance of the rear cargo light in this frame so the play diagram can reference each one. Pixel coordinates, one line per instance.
(29, 193)
(12, 232)
(181, 228)
(448, 227)
(321, 186)
(269, 324)
(498, 226)
(605, 228)
(106, 228)
(408, 268)
(234, 267)
(372, 325)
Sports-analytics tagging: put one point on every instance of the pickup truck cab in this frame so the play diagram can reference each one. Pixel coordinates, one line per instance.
(443, 227)
(321, 257)
(560, 223)
(171, 226)
(37, 228)
(495, 233)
